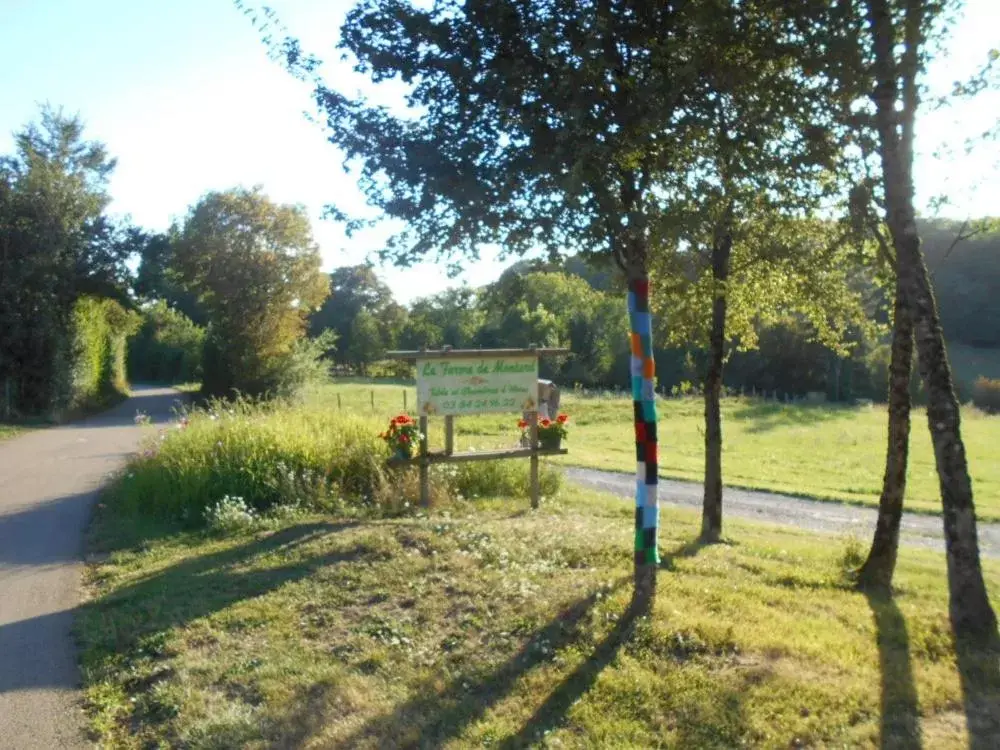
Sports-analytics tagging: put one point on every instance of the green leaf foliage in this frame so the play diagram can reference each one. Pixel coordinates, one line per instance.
(168, 347)
(256, 272)
(56, 245)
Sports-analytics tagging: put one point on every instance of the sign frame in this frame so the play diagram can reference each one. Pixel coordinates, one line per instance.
(425, 457)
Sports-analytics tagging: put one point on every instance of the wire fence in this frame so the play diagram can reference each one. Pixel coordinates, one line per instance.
(394, 397)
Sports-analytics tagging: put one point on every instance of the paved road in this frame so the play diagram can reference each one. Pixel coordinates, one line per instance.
(836, 518)
(48, 481)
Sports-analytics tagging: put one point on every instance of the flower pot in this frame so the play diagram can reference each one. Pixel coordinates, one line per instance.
(403, 454)
(549, 442)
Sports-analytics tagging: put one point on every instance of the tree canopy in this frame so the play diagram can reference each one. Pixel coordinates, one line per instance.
(256, 272)
(56, 245)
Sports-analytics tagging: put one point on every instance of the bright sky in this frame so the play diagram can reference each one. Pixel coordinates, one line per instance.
(183, 94)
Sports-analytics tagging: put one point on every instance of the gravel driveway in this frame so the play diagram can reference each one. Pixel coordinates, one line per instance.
(816, 515)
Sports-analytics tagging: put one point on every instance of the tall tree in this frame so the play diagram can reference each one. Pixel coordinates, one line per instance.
(55, 245)
(256, 271)
(764, 150)
(366, 345)
(353, 289)
(554, 124)
(893, 35)
(156, 280)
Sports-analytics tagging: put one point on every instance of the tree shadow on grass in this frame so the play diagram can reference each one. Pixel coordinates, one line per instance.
(763, 417)
(432, 716)
(900, 710)
(115, 626)
(554, 709)
(979, 671)
(669, 558)
(209, 583)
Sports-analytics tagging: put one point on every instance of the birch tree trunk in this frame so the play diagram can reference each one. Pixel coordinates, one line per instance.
(878, 569)
(972, 616)
(711, 515)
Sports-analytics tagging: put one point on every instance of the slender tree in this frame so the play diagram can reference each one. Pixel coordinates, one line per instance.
(880, 564)
(553, 126)
(764, 150)
(897, 41)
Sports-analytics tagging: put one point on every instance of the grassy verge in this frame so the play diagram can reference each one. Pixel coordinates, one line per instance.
(10, 430)
(827, 452)
(485, 625)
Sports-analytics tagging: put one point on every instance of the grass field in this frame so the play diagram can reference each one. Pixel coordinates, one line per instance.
(829, 452)
(482, 625)
(9, 431)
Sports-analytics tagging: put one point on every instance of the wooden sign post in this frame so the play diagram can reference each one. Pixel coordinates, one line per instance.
(457, 382)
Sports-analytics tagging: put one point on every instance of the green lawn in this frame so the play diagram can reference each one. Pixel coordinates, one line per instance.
(824, 451)
(482, 625)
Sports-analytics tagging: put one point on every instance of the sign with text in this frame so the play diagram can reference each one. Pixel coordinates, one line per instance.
(474, 385)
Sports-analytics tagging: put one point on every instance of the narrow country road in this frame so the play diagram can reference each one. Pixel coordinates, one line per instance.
(816, 515)
(48, 481)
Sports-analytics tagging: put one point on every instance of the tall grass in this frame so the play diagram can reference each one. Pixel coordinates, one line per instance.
(280, 455)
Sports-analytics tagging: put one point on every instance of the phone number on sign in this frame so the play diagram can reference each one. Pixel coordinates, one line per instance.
(480, 403)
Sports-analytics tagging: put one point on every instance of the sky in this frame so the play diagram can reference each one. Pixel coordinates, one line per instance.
(184, 95)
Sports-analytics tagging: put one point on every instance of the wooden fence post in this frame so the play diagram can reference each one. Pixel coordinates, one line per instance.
(340, 406)
(373, 400)
(425, 485)
(533, 426)
(449, 435)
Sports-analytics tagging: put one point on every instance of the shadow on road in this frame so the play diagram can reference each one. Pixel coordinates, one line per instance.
(26, 535)
(160, 404)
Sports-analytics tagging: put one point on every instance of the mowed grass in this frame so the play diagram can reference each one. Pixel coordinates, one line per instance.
(484, 625)
(827, 452)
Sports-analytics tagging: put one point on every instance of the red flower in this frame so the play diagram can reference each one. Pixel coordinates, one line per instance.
(522, 423)
(546, 423)
(562, 419)
(404, 438)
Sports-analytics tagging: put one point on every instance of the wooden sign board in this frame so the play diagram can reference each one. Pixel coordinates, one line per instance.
(476, 385)
(453, 382)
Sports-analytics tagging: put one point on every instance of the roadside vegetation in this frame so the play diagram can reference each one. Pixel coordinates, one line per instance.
(9, 431)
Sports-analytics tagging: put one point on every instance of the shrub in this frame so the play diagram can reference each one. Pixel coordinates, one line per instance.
(986, 394)
(305, 366)
(101, 328)
(229, 515)
(167, 348)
